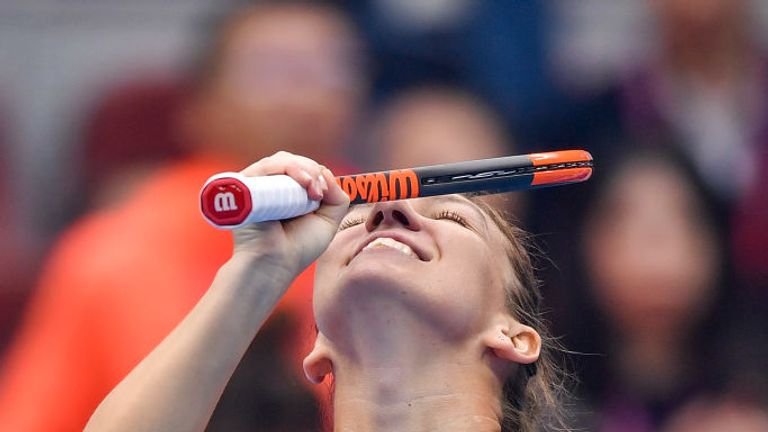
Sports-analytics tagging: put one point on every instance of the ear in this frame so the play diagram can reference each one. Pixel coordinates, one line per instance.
(514, 342)
(317, 364)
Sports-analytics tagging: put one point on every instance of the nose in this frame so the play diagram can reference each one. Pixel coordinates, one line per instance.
(393, 214)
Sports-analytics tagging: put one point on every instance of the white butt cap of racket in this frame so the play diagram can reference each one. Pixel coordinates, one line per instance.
(231, 200)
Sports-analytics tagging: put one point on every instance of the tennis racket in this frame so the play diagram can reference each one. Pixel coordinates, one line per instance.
(231, 200)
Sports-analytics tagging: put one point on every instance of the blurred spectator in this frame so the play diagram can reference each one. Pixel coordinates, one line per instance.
(657, 308)
(593, 42)
(706, 86)
(726, 415)
(15, 256)
(130, 133)
(496, 49)
(432, 125)
(750, 237)
(282, 75)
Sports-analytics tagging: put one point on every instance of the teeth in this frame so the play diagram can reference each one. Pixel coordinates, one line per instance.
(392, 243)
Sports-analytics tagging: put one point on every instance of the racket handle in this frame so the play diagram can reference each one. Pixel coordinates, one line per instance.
(231, 200)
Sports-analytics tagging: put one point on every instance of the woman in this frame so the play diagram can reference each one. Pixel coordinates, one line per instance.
(656, 295)
(427, 314)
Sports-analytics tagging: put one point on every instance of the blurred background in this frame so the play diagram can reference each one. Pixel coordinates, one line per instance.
(113, 113)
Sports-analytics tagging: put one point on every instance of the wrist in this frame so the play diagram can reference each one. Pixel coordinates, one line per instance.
(253, 274)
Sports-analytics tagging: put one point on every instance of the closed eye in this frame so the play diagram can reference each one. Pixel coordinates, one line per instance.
(452, 216)
(350, 222)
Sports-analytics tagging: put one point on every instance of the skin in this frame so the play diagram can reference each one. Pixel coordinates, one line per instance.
(283, 77)
(440, 125)
(432, 126)
(726, 415)
(653, 259)
(413, 344)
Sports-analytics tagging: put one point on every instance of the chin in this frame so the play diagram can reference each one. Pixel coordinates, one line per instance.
(371, 279)
(367, 273)
(359, 290)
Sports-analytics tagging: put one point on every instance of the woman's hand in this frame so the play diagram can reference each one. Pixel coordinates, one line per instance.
(292, 245)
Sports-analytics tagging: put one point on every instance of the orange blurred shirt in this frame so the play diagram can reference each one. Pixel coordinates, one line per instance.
(116, 284)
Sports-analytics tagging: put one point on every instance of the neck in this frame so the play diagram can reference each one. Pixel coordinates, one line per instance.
(426, 397)
(412, 378)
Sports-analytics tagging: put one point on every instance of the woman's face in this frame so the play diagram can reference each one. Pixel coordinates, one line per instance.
(288, 78)
(651, 251)
(442, 258)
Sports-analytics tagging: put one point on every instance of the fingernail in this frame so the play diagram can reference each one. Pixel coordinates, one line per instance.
(327, 172)
(323, 183)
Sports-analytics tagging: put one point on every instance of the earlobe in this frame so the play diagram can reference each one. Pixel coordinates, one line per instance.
(317, 364)
(518, 343)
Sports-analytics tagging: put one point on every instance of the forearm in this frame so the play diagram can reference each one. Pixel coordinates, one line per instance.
(177, 386)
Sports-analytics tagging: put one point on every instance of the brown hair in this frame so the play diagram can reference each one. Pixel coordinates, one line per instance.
(533, 394)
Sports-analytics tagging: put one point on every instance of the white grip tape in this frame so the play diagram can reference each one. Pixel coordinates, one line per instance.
(273, 197)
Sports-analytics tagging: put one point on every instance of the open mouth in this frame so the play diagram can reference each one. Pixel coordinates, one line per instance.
(386, 242)
(392, 241)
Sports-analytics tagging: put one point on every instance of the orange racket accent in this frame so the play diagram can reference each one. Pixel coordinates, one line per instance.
(563, 175)
(562, 156)
(568, 175)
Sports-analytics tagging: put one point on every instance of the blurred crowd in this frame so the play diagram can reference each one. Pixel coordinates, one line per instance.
(655, 271)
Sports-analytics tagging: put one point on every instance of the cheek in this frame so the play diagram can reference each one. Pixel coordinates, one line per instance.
(328, 267)
(469, 279)
(333, 270)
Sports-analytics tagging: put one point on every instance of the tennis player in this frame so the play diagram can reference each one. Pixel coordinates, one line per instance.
(427, 310)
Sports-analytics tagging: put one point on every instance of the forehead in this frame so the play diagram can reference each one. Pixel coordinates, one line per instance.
(286, 26)
(649, 181)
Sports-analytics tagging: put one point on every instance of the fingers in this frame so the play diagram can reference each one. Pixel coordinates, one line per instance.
(317, 230)
(303, 170)
(307, 236)
(315, 178)
(314, 182)
(334, 194)
(335, 200)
